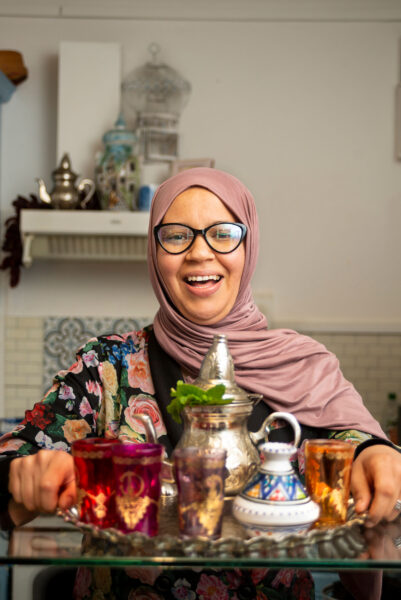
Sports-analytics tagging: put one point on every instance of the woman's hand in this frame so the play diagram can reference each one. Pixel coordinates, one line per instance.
(40, 483)
(376, 483)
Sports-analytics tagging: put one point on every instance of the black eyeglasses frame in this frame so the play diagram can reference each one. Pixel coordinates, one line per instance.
(201, 232)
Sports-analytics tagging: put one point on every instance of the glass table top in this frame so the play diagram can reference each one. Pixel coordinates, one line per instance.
(63, 540)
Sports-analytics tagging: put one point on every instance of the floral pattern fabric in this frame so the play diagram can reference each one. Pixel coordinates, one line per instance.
(99, 395)
(152, 583)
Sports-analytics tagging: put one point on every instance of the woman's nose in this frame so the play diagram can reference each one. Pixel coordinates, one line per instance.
(200, 250)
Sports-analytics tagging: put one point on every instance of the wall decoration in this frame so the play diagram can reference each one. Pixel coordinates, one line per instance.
(153, 98)
(117, 170)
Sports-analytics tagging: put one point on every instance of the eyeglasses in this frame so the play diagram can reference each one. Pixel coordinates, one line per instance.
(175, 238)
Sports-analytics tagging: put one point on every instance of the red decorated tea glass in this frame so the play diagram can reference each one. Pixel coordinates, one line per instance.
(137, 482)
(95, 480)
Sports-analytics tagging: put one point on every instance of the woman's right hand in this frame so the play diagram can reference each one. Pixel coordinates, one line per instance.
(41, 483)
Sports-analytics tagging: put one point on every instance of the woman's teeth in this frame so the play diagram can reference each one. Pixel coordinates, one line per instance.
(202, 278)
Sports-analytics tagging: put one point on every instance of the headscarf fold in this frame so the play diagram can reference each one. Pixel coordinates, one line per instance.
(293, 372)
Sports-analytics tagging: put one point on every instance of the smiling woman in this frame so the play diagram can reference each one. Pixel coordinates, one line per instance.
(202, 283)
(200, 264)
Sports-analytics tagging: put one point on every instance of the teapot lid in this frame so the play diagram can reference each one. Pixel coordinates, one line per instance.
(218, 367)
(64, 170)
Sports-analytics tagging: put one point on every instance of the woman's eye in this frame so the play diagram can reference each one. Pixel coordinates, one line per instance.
(176, 236)
(221, 234)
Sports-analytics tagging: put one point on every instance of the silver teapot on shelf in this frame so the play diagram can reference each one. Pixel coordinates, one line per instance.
(66, 193)
(225, 426)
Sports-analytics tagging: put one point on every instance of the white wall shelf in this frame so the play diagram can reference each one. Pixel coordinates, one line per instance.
(83, 235)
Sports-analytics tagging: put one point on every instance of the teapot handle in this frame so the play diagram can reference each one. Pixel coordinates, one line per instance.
(283, 416)
(86, 183)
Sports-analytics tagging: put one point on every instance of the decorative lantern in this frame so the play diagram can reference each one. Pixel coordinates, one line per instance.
(117, 169)
(155, 95)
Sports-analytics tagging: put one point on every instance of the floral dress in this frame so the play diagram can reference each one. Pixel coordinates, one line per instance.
(99, 395)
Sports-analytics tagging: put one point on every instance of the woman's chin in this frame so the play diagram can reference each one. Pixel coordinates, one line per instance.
(205, 315)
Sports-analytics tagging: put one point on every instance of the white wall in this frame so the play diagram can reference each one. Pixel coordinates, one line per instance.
(301, 109)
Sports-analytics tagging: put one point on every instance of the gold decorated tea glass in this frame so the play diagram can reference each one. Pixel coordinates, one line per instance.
(137, 479)
(199, 474)
(328, 466)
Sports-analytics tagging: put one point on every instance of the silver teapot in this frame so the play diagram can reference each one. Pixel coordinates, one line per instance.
(66, 193)
(225, 425)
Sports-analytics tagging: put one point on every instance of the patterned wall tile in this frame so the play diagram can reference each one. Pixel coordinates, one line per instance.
(62, 336)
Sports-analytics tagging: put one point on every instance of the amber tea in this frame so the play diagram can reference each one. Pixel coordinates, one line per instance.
(327, 476)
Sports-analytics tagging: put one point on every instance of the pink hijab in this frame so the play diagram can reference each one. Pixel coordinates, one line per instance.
(292, 371)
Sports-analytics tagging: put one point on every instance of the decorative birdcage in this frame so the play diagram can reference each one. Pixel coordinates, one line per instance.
(154, 96)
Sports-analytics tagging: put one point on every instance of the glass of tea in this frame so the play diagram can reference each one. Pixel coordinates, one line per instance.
(327, 476)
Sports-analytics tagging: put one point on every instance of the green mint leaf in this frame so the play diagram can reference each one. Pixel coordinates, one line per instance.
(216, 392)
(187, 394)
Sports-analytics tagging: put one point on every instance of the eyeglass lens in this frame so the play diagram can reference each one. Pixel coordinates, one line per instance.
(222, 237)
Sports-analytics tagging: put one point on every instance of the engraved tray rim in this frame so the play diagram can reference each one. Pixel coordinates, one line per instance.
(344, 541)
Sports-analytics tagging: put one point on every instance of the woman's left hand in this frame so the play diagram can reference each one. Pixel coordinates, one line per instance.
(376, 483)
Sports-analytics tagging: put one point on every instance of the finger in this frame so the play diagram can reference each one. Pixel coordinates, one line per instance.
(28, 496)
(384, 496)
(20, 481)
(14, 483)
(360, 488)
(68, 496)
(31, 476)
(56, 480)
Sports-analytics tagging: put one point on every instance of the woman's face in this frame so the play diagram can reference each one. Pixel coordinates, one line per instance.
(208, 301)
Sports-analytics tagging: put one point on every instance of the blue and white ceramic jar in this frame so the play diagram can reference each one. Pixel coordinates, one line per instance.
(274, 501)
(117, 174)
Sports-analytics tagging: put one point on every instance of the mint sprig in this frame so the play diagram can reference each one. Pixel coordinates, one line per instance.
(187, 394)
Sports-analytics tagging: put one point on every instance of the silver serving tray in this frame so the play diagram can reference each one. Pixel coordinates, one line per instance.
(344, 541)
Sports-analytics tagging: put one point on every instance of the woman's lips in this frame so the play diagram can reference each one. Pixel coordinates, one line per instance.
(203, 288)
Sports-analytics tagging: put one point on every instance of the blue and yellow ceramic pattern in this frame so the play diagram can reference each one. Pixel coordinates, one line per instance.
(277, 488)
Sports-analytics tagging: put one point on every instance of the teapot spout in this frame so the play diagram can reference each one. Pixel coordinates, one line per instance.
(88, 187)
(43, 193)
(263, 432)
(258, 436)
(150, 432)
(168, 485)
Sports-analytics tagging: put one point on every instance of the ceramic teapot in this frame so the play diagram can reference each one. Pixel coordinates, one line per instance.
(66, 193)
(274, 501)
